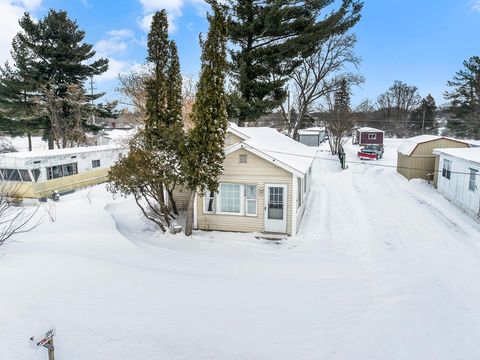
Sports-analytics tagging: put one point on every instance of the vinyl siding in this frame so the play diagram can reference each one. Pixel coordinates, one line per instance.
(256, 171)
(421, 164)
(232, 139)
(181, 198)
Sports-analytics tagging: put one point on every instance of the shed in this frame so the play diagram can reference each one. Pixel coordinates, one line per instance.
(415, 156)
(368, 136)
(313, 136)
(458, 178)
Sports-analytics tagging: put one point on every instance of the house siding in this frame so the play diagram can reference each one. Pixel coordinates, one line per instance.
(256, 171)
(364, 140)
(181, 198)
(232, 139)
(456, 189)
(421, 163)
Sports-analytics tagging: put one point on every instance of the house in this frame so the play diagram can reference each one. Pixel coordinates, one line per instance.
(368, 136)
(459, 177)
(38, 174)
(415, 155)
(264, 186)
(313, 136)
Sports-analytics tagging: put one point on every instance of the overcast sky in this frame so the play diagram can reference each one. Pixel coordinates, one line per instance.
(420, 42)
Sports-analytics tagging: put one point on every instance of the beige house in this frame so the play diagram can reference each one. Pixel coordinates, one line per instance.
(415, 156)
(264, 186)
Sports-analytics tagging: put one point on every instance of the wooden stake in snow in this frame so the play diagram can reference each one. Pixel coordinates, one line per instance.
(46, 341)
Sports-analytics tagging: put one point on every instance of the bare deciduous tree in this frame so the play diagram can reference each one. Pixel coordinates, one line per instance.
(318, 76)
(14, 219)
(132, 87)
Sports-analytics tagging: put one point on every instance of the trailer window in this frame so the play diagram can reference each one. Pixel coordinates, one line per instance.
(95, 163)
(472, 183)
(10, 175)
(25, 175)
(55, 172)
(447, 167)
(372, 136)
(36, 174)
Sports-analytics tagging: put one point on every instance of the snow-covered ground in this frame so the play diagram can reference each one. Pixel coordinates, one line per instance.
(381, 268)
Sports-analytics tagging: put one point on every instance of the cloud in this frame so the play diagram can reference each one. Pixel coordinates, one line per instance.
(10, 12)
(475, 5)
(173, 8)
(115, 42)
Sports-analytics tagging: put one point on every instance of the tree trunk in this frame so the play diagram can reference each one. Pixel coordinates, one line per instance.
(29, 135)
(51, 144)
(172, 201)
(189, 221)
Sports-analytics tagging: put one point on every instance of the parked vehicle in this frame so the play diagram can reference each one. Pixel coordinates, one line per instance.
(371, 152)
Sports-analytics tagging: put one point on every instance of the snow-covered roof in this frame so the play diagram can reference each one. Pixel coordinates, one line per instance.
(409, 145)
(311, 131)
(369, 129)
(469, 154)
(57, 152)
(277, 147)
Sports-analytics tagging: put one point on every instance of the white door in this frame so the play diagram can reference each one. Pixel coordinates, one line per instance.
(276, 208)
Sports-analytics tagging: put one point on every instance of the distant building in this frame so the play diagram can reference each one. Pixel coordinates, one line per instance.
(415, 156)
(368, 136)
(313, 136)
(37, 174)
(458, 177)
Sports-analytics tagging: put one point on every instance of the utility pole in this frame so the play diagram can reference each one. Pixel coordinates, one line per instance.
(92, 88)
(423, 120)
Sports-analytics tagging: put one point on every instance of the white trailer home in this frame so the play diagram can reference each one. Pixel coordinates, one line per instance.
(37, 174)
(459, 177)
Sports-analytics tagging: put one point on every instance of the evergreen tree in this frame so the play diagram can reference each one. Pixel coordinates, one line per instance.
(152, 166)
(50, 57)
(204, 150)
(464, 99)
(423, 118)
(270, 38)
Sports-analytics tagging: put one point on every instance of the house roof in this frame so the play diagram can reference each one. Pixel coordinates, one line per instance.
(56, 152)
(469, 154)
(409, 145)
(369, 129)
(275, 147)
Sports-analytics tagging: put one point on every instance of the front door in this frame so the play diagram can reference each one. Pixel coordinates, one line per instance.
(276, 208)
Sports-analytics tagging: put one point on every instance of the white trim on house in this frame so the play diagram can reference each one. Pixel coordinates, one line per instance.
(273, 225)
(294, 204)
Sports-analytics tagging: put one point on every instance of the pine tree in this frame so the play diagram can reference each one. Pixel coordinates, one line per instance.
(270, 38)
(464, 99)
(204, 154)
(153, 163)
(50, 57)
(423, 118)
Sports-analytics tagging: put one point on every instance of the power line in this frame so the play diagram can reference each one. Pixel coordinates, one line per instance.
(363, 163)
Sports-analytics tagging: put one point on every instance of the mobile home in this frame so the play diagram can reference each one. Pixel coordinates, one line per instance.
(38, 174)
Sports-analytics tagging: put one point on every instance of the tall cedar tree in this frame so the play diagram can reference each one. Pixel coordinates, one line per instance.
(270, 38)
(423, 118)
(152, 166)
(50, 57)
(204, 153)
(464, 99)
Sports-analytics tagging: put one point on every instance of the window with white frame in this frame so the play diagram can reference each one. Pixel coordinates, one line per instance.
(472, 183)
(242, 158)
(230, 198)
(95, 163)
(251, 200)
(447, 168)
(372, 136)
(209, 202)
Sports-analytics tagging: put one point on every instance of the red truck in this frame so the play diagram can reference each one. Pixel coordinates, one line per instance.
(371, 152)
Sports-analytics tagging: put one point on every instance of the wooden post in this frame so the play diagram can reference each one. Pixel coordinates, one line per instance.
(51, 350)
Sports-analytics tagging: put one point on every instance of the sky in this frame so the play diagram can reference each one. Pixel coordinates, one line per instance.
(420, 42)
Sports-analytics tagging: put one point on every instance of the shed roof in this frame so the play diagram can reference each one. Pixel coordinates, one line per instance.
(469, 154)
(276, 146)
(409, 145)
(311, 131)
(369, 129)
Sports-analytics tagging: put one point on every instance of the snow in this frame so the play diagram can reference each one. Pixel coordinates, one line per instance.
(309, 131)
(469, 154)
(278, 147)
(369, 129)
(58, 152)
(409, 145)
(381, 268)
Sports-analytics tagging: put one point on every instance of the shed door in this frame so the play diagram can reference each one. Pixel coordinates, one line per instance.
(276, 208)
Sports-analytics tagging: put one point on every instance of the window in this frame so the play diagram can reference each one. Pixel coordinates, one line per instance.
(299, 192)
(446, 171)
(25, 175)
(95, 163)
(472, 183)
(59, 171)
(251, 199)
(230, 199)
(372, 136)
(36, 174)
(10, 175)
(37, 162)
(243, 159)
(209, 202)
(73, 157)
